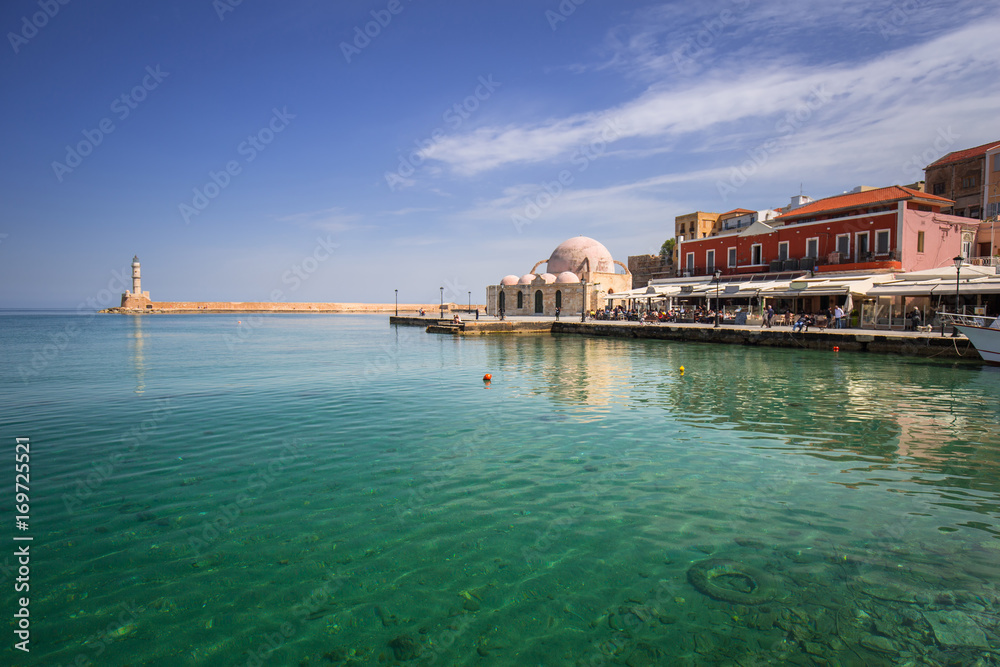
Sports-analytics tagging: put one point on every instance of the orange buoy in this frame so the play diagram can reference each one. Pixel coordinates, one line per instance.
(487, 377)
(836, 349)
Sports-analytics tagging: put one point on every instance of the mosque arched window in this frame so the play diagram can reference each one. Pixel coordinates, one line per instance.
(520, 300)
(558, 298)
(538, 302)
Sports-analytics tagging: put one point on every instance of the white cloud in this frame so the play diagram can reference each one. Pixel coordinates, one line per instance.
(942, 77)
(327, 219)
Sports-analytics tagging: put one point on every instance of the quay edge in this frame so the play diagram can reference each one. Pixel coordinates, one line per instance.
(852, 340)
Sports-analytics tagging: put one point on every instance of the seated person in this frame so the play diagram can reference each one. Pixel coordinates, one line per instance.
(802, 323)
(457, 319)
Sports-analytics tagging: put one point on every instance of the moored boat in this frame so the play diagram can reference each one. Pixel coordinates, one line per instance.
(982, 332)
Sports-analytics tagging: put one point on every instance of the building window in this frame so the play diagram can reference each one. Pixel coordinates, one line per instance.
(812, 247)
(783, 251)
(861, 246)
(732, 257)
(755, 254)
(996, 162)
(974, 212)
(520, 300)
(538, 302)
(882, 241)
(970, 181)
(558, 298)
(920, 241)
(938, 189)
(690, 261)
(844, 245)
(710, 261)
(966, 248)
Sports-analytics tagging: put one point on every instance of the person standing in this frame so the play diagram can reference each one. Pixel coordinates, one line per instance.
(557, 313)
(838, 315)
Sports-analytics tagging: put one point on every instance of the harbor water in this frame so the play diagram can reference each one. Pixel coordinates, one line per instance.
(327, 489)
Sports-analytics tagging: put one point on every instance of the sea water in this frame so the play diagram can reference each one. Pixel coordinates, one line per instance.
(329, 489)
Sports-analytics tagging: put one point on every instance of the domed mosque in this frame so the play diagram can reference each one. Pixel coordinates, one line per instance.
(580, 273)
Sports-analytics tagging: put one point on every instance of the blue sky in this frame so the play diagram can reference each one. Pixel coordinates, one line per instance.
(250, 150)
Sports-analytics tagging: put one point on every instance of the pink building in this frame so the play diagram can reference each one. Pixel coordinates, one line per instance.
(879, 230)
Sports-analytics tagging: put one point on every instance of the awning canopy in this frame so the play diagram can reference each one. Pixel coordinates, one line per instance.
(841, 286)
(937, 287)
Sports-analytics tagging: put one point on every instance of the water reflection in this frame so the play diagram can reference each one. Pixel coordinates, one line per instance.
(136, 345)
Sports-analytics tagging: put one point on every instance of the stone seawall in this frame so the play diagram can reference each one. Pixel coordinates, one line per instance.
(883, 342)
(163, 307)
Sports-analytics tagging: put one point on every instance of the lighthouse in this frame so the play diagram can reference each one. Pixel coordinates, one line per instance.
(136, 299)
(136, 282)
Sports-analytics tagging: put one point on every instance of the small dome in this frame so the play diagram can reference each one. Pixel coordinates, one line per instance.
(509, 280)
(526, 279)
(567, 277)
(547, 278)
(570, 255)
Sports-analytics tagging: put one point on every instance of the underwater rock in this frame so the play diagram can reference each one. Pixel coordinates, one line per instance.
(404, 648)
(749, 542)
(730, 581)
(880, 644)
(953, 628)
(645, 655)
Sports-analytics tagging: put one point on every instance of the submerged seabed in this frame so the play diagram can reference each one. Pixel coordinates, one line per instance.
(315, 490)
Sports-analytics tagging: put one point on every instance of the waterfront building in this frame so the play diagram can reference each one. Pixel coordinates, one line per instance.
(579, 274)
(965, 176)
(868, 230)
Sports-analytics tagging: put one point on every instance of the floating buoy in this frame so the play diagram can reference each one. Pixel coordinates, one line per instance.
(239, 321)
(682, 370)
(487, 377)
(836, 348)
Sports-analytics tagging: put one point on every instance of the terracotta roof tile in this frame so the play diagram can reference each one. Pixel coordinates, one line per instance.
(740, 211)
(893, 193)
(956, 156)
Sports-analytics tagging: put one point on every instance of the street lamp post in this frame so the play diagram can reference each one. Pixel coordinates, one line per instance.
(442, 303)
(397, 301)
(470, 301)
(718, 274)
(583, 302)
(958, 271)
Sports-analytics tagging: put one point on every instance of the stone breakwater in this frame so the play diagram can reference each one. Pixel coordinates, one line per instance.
(167, 307)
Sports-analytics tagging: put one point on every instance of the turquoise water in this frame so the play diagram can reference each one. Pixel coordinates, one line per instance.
(316, 490)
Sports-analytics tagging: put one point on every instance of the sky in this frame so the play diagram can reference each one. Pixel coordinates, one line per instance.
(339, 151)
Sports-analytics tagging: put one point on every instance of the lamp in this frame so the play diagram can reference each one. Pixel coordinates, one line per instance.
(442, 303)
(958, 271)
(470, 301)
(718, 274)
(583, 302)
(397, 301)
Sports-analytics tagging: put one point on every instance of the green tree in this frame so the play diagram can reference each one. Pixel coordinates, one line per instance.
(667, 249)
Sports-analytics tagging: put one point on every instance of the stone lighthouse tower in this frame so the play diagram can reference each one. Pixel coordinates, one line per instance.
(136, 299)
(136, 282)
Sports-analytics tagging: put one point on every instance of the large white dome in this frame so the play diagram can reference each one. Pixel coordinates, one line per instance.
(573, 255)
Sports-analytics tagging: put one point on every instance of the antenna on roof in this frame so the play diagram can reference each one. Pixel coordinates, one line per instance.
(800, 189)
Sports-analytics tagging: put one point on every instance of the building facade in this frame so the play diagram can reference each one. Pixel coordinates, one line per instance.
(579, 275)
(963, 176)
(868, 230)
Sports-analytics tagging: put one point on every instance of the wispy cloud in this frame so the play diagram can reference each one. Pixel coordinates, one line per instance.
(933, 76)
(327, 219)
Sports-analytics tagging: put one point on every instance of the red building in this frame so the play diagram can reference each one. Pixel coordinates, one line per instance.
(866, 231)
